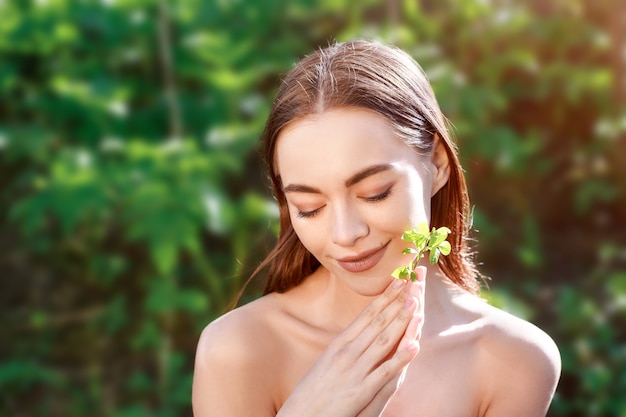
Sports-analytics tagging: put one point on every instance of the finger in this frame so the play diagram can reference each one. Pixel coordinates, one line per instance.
(384, 380)
(372, 313)
(413, 330)
(383, 342)
(404, 328)
(378, 331)
(349, 345)
(382, 397)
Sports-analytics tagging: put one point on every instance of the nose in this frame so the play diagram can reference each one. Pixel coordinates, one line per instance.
(348, 226)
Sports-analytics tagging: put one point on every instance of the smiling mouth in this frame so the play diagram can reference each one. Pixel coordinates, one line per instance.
(363, 261)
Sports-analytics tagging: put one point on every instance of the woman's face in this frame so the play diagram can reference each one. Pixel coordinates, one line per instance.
(352, 187)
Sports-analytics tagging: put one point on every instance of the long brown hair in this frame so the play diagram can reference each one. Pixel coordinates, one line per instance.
(388, 81)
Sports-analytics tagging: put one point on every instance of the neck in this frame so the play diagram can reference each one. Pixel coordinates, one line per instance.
(338, 305)
(334, 304)
(439, 302)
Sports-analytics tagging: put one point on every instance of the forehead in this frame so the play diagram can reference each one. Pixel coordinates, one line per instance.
(337, 142)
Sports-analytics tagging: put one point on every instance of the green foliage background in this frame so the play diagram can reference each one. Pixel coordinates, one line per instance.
(133, 204)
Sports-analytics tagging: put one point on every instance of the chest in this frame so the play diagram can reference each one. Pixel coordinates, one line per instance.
(441, 386)
(442, 381)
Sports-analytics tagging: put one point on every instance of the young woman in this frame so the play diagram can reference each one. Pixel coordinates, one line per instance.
(358, 152)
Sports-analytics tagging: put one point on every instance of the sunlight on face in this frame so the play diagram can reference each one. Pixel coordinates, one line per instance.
(352, 188)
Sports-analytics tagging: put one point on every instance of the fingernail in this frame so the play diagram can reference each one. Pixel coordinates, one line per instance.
(413, 346)
(414, 290)
(398, 283)
(408, 303)
(421, 273)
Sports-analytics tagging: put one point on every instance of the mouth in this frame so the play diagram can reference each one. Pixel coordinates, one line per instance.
(364, 260)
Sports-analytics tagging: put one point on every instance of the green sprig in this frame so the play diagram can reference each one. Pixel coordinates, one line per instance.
(432, 241)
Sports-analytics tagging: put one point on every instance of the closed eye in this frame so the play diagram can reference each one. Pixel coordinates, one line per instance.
(379, 197)
(374, 199)
(309, 214)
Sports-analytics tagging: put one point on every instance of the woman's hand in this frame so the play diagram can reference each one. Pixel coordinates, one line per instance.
(365, 364)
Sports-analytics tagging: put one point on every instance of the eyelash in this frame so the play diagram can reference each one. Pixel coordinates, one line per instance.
(380, 197)
(308, 214)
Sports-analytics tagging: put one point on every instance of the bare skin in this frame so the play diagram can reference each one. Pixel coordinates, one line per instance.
(474, 360)
(348, 342)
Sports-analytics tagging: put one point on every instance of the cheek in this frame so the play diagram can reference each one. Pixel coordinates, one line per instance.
(310, 236)
(417, 204)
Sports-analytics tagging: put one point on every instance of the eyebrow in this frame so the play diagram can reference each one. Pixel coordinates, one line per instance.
(356, 178)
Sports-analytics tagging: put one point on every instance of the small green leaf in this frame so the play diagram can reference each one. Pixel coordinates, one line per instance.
(436, 239)
(401, 272)
(444, 231)
(434, 256)
(410, 236)
(409, 251)
(445, 248)
(423, 228)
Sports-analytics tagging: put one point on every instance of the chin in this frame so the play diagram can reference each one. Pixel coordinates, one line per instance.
(368, 285)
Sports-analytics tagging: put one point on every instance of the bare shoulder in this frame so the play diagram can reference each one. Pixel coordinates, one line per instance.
(509, 335)
(235, 333)
(232, 361)
(521, 364)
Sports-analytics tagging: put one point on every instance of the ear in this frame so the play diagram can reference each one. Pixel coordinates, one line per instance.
(440, 164)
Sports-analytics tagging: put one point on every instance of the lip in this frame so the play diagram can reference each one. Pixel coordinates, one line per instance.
(364, 260)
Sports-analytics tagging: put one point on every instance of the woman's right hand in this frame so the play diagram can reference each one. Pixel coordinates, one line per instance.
(365, 364)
